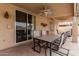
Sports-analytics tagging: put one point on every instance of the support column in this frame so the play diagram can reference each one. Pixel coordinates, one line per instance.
(74, 27)
(74, 31)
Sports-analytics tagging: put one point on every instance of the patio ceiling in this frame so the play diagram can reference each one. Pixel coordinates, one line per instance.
(57, 9)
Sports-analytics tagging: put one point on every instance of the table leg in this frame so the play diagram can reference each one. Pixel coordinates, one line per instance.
(50, 50)
(33, 44)
(46, 49)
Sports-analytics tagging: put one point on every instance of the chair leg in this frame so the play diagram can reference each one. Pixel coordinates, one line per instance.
(67, 50)
(45, 52)
(57, 52)
(61, 53)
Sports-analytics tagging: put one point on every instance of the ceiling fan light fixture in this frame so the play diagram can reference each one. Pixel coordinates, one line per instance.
(45, 11)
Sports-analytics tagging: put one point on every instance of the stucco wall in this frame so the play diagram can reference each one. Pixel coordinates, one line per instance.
(42, 20)
(7, 26)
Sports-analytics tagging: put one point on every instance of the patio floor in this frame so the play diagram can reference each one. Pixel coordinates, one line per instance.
(26, 50)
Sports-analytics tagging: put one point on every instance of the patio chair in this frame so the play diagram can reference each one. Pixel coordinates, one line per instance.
(65, 37)
(38, 45)
(57, 45)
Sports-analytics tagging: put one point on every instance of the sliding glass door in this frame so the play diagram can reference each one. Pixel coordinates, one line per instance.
(25, 24)
(21, 26)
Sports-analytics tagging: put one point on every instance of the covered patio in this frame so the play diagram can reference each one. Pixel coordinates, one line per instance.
(20, 23)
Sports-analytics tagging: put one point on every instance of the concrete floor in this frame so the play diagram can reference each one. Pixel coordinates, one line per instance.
(26, 50)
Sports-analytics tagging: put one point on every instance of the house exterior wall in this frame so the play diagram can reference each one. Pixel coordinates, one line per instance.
(8, 28)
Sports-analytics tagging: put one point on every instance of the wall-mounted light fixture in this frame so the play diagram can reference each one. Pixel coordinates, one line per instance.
(6, 15)
(43, 24)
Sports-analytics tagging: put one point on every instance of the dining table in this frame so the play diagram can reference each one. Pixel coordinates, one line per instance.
(48, 39)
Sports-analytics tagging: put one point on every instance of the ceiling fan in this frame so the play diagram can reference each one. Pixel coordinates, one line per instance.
(45, 11)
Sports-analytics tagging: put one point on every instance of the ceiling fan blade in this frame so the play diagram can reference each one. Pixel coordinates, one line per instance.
(45, 11)
(41, 14)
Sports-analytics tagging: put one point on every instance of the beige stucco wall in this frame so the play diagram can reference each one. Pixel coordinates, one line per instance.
(7, 26)
(42, 20)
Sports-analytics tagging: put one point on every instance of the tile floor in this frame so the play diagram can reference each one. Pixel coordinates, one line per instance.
(26, 50)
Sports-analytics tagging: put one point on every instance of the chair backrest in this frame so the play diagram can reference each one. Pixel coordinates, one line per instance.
(65, 37)
(37, 33)
(44, 32)
(61, 40)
